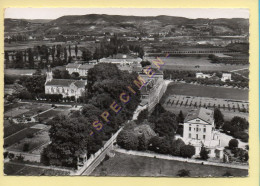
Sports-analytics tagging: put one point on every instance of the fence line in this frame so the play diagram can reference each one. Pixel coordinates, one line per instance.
(169, 157)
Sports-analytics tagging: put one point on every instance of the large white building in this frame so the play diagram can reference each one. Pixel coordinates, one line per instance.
(65, 87)
(199, 129)
(121, 59)
(225, 77)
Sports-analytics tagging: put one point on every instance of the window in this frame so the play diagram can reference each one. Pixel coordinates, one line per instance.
(204, 130)
(189, 135)
(204, 137)
(197, 128)
(197, 136)
(189, 128)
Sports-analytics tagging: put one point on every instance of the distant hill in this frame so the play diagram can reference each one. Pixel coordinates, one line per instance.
(100, 23)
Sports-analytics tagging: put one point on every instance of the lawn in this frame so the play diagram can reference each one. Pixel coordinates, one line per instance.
(130, 165)
(189, 63)
(23, 170)
(206, 91)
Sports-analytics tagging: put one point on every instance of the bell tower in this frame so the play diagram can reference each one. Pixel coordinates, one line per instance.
(49, 74)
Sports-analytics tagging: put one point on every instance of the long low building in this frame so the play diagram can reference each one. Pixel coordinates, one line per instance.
(65, 87)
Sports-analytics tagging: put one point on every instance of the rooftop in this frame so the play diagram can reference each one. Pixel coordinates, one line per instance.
(66, 83)
(201, 113)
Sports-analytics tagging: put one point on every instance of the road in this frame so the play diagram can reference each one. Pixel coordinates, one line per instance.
(87, 169)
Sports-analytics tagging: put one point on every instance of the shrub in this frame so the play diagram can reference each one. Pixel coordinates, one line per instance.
(241, 135)
(233, 143)
(183, 173)
(227, 174)
(26, 147)
(187, 151)
(5, 154)
(30, 135)
(204, 153)
(11, 156)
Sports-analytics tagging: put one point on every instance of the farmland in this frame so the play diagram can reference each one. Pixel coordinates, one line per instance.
(189, 63)
(130, 165)
(206, 91)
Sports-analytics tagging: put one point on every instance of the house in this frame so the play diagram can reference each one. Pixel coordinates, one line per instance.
(225, 77)
(65, 87)
(203, 76)
(81, 69)
(199, 130)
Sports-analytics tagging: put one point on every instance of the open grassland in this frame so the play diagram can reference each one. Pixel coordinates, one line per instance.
(130, 165)
(206, 91)
(189, 63)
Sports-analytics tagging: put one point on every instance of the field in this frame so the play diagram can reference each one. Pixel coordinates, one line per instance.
(244, 72)
(13, 128)
(36, 141)
(206, 91)
(19, 136)
(130, 165)
(189, 63)
(24, 170)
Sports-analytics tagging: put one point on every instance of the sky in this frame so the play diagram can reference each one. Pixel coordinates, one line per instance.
(53, 13)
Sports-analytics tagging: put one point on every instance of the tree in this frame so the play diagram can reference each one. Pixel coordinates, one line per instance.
(240, 123)
(127, 140)
(65, 54)
(158, 109)
(233, 143)
(154, 144)
(86, 55)
(176, 147)
(26, 147)
(142, 115)
(165, 124)
(69, 139)
(183, 173)
(204, 153)
(142, 146)
(145, 63)
(76, 50)
(218, 117)
(187, 151)
(74, 75)
(180, 117)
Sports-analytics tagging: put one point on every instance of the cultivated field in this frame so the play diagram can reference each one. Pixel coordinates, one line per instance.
(130, 165)
(206, 91)
(189, 63)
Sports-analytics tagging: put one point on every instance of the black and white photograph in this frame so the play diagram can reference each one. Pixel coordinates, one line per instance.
(126, 92)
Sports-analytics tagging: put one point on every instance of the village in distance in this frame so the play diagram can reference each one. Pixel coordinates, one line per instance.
(116, 95)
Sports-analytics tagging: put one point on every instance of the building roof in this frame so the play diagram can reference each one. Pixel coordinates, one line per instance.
(201, 113)
(86, 66)
(66, 83)
(72, 65)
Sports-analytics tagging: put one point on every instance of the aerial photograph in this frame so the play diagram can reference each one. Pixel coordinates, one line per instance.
(126, 92)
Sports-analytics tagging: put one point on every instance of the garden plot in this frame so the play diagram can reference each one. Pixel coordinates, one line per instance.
(194, 102)
(31, 142)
